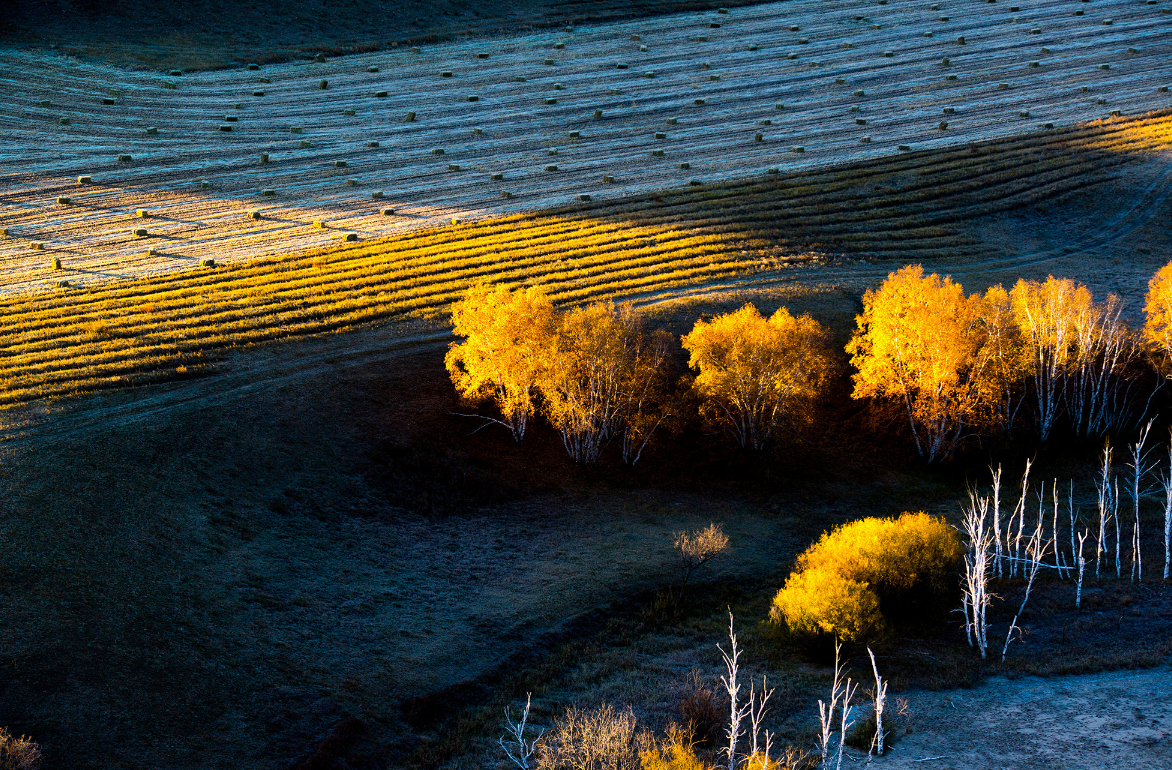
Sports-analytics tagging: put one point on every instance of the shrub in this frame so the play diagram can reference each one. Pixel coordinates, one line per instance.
(673, 757)
(843, 581)
(18, 753)
(702, 710)
(603, 738)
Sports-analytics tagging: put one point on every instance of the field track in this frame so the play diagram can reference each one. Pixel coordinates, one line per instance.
(1113, 58)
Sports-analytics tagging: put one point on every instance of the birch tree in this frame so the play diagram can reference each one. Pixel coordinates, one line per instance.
(978, 559)
(506, 335)
(1166, 488)
(1103, 488)
(757, 375)
(1140, 466)
(880, 701)
(917, 348)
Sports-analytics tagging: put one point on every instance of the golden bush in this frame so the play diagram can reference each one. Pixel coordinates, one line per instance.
(841, 580)
(673, 757)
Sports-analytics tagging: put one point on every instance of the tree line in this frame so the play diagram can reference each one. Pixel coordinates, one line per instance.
(1039, 357)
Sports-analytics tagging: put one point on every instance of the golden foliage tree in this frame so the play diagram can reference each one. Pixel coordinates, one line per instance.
(506, 336)
(602, 376)
(1158, 320)
(841, 580)
(757, 373)
(919, 344)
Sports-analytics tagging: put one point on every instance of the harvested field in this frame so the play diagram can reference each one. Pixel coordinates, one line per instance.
(904, 208)
(201, 171)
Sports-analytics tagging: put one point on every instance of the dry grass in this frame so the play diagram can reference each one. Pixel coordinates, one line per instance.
(904, 209)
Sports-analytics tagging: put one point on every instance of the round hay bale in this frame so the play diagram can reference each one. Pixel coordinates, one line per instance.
(124, 158)
(372, 144)
(350, 237)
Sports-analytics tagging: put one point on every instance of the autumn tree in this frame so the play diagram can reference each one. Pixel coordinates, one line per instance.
(602, 378)
(1158, 311)
(506, 335)
(920, 346)
(757, 374)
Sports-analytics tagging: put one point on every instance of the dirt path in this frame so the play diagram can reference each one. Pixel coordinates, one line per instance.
(535, 95)
(1115, 719)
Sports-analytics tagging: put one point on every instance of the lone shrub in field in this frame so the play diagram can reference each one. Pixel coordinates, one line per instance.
(695, 549)
(843, 582)
(757, 374)
(506, 336)
(18, 753)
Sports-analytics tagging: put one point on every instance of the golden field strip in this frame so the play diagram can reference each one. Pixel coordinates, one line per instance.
(897, 209)
(855, 81)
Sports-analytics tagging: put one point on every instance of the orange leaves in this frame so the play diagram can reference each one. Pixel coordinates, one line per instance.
(1158, 309)
(756, 373)
(506, 338)
(917, 344)
(839, 581)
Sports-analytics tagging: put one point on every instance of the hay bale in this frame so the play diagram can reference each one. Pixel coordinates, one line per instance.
(779, 106)
(481, 56)
(945, 61)
(226, 127)
(350, 237)
(37, 246)
(231, 119)
(506, 194)
(410, 117)
(660, 135)
(208, 262)
(204, 184)
(521, 79)
(557, 86)
(380, 94)
(152, 252)
(323, 84)
(766, 122)
(320, 225)
(319, 58)
(608, 179)
(84, 179)
(252, 214)
(551, 151)
(696, 183)
(386, 212)
(904, 147)
(339, 164)
(496, 177)
(657, 153)
(176, 73)
(950, 77)
(253, 67)
(268, 193)
(295, 130)
(773, 170)
(372, 144)
(1034, 64)
(713, 25)
(615, 92)
(621, 66)
(115, 92)
(598, 114)
(888, 54)
(551, 168)
(376, 195)
(1002, 86)
(266, 80)
(685, 166)
(258, 93)
(453, 167)
(108, 100)
(551, 100)
(722, 10)
(702, 38)
(840, 81)
(1104, 66)
(56, 263)
(142, 213)
(1108, 22)
(351, 182)
(349, 113)
(710, 77)
(124, 158)
(1024, 113)
(559, 46)
(1162, 89)
(305, 144)
(803, 41)
(372, 69)
(798, 149)
(1116, 113)
(643, 48)
(753, 48)
(584, 198)
(758, 137)
(140, 232)
(865, 140)
(170, 86)
(549, 62)
(1047, 126)
(943, 125)
(699, 102)
(437, 151)
(64, 121)
(44, 103)
(860, 121)
(636, 37)
(416, 49)
(1035, 31)
(860, 92)
(949, 110)
(474, 98)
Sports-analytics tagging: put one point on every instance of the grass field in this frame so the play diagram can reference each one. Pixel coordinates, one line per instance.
(691, 102)
(902, 209)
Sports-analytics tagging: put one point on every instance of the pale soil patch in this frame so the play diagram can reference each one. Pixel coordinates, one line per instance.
(904, 102)
(1114, 719)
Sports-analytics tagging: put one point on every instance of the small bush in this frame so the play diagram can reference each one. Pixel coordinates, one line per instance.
(702, 711)
(602, 738)
(18, 753)
(673, 757)
(844, 581)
